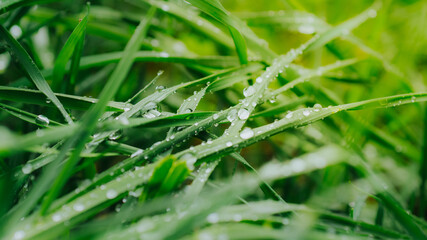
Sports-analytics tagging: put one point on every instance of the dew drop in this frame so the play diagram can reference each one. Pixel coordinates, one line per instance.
(111, 194)
(19, 235)
(306, 112)
(42, 120)
(213, 218)
(289, 115)
(215, 116)
(56, 217)
(259, 80)
(165, 7)
(136, 153)
(243, 114)
(160, 87)
(229, 144)
(115, 135)
(232, 115)
(78, 207)
(372, 13)
(164, 54)
(188, 110)
(27, 168)
(317, 107)
(297, 165)
(249, 91)
(246, 133)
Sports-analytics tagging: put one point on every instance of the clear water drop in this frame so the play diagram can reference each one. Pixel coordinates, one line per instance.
(215, 116)
(317, 107)
(243, 114)
(164, 54)
(249, 91)
(111, 194)
(160, 87)
(289, 115)
(188, 110)
(232, 115)
(246, 133)
(27, 168)
(56, 217)
(229, 144)
(42, 120)
(259, 80)
(213, 218)
(19, 235)
(306, 112)
(136, 153)
(115, 135)
(78, 207)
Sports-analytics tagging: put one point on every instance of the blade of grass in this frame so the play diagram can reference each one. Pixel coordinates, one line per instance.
(91, 117)
(17, 50)
(70, 47)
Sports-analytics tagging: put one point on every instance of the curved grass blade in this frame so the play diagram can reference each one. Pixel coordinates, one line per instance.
(17, 50)
(94, 113)
(70, 46)
(214, 8)
(69, 101)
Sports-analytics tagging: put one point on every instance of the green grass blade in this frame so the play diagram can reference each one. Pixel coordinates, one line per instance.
(70, 47)
(17, 50)
(90, 118)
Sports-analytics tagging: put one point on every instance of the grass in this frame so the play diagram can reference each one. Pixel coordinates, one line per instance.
(213, 120)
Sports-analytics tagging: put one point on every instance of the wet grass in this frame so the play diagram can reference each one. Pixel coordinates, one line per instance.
(206, 120)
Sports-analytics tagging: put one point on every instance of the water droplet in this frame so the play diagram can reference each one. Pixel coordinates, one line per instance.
(78, 207)
(188, 110)
(209, 141)
(149, 115)
(42, 120)
(164, 54)
(27, 168)
(160, 87)
(306, 29)
(372, 13)
(215, 116)
(213, 218)
(19, 235)
(246, 133)
(232, 115)
(123, 120)
(249, 91)
(289, 115)
(317, 107)
(115, 135)
(48, 100)
(111, 194)
(16, 31)
(413, 99)
(297, 165)
(229, 144)
(243, 114)
(136, 153)
(306, 112)
(237, 217)
(259, 80)
(165, 7)
(56, 217)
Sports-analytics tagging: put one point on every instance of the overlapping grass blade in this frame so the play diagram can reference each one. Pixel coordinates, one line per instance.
(28, 64)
